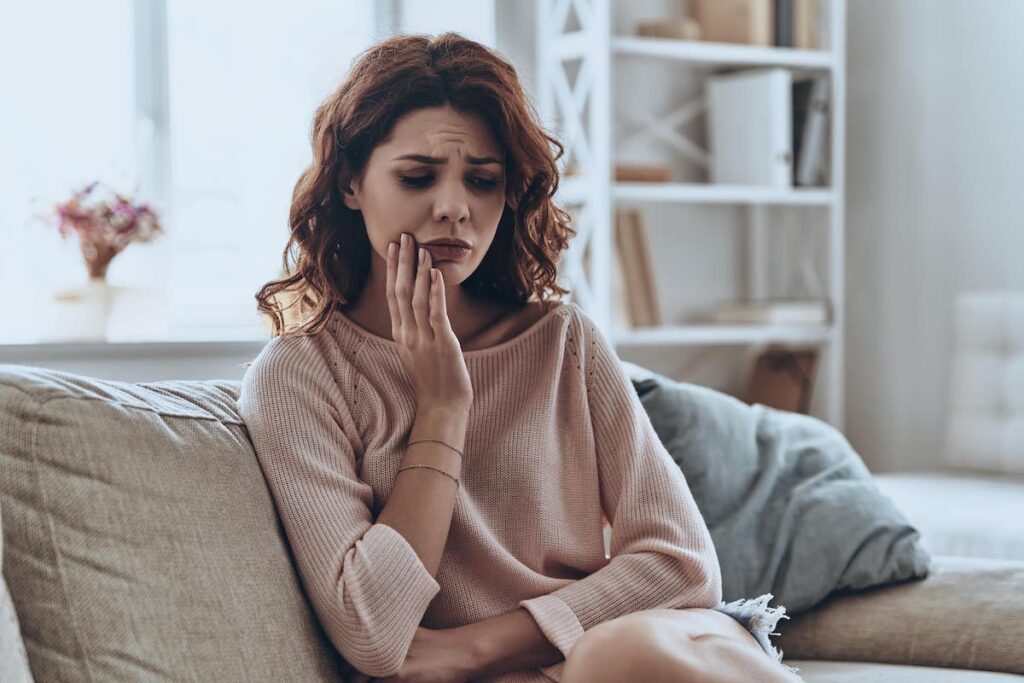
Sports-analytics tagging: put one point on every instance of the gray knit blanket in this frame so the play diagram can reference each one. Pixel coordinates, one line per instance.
(793, 510)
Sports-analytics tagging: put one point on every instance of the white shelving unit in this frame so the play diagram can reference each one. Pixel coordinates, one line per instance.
(580, 31)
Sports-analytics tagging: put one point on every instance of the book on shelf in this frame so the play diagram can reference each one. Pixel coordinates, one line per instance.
(676, 29)
(805, 24)
(778, 23)
(810, 167)
(772, 312)
(621, 317)
(643, 173)
(748, 22)
(632, 249)
(749, 127)
(783, 22)
(801, 106)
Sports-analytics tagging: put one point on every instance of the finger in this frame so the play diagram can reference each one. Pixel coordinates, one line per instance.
(404, 282)
(392, 257)
(421, 296)
(436, 301)
(442, 325)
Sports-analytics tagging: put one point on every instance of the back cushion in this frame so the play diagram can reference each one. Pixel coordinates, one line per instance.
(986, 398)
(140, 540)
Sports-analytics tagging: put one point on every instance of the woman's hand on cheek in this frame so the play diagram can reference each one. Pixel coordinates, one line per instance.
(427, 345)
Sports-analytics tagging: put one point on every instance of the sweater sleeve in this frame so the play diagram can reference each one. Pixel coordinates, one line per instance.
(662, 553)
(366, 583)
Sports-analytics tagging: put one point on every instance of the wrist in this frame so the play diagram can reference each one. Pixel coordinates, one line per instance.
(441, 423)
(437, 413)
(473, 648)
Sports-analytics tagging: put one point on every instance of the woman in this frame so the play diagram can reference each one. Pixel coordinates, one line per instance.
(440, 436)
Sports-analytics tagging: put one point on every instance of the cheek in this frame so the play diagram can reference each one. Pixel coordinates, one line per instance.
(491, 208)
(387, 218)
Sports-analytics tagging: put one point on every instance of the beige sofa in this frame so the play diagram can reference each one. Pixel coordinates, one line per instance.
(140, 542)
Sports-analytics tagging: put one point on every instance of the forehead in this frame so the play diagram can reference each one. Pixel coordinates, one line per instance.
(427, 128)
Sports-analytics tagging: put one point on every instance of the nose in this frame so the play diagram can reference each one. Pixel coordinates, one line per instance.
(450, 203)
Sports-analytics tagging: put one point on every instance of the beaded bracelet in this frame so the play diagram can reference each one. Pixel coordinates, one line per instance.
(436, 469)
(437, 441)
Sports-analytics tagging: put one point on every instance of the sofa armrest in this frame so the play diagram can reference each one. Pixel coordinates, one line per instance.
(968, 613)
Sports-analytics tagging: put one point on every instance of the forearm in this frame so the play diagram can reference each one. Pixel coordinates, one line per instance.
(422, 500)
(509, 642)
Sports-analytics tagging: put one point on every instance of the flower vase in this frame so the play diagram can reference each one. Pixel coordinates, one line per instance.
(82, 313)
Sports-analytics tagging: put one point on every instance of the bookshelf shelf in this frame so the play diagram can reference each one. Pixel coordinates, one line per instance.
(572, 191)
(721, 54)
(587, 91)
(718, 194)
(669, 335)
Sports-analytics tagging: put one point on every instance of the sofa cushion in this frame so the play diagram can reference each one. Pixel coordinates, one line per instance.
(14, 666)
(967, 614)
(862, 672)
(140, 538)
(954, 511)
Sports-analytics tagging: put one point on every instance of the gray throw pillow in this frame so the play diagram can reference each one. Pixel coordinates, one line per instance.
(792, 508)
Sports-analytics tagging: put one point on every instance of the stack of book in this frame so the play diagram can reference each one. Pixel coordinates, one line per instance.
(676, 29)
(772, 312)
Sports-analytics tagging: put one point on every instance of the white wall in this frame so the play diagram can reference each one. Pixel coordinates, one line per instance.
(935, 204)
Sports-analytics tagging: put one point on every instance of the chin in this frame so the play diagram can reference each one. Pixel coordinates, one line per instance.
(452, 272)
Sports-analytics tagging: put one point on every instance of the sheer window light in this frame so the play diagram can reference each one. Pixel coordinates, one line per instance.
(203, 109)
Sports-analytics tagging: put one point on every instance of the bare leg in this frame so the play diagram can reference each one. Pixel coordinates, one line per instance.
(672, 646)
(721, 658)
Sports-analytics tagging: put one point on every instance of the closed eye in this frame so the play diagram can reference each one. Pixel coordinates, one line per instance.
(424, 180)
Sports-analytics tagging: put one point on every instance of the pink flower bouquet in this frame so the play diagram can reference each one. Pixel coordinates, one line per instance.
(106, 222)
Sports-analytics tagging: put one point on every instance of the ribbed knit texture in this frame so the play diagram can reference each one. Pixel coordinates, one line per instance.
(556, 435)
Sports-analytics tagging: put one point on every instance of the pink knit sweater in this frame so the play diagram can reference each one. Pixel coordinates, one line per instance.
(556, 435)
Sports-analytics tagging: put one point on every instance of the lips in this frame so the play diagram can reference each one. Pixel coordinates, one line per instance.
(446, 252)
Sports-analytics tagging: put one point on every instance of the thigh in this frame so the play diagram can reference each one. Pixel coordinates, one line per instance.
(678, 623)
(657, 640)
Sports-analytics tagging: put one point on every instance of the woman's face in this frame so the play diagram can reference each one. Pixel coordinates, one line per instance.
(438, 175)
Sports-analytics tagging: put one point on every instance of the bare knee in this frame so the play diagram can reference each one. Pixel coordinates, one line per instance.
(624, 650)
(721, 657)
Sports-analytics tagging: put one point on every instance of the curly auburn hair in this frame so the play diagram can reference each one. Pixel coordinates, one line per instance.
(329, 248)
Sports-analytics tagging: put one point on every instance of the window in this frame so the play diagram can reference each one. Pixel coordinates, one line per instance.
(66, 79)
(203, 108)
(244, 80)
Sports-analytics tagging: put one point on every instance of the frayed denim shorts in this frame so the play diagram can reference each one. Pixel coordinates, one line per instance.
(759, 619)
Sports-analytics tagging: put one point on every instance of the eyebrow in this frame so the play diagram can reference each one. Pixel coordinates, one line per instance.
(438, 160)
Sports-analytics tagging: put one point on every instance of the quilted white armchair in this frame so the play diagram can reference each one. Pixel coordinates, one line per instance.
(973, 505)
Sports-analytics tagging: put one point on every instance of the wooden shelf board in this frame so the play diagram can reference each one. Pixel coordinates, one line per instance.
(722, 334)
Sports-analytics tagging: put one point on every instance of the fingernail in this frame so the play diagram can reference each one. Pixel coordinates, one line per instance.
(391, 249)
(405, 239)
(423, 255)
